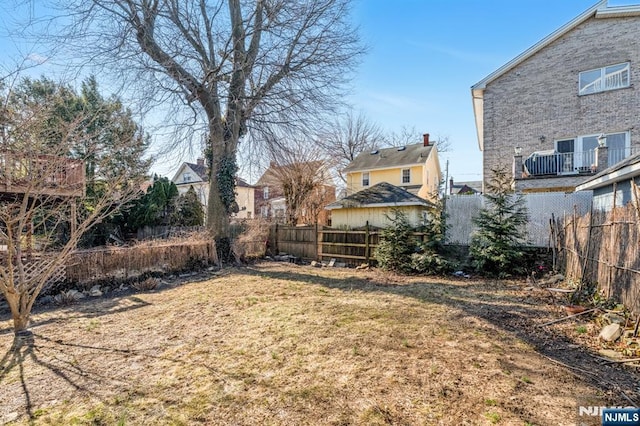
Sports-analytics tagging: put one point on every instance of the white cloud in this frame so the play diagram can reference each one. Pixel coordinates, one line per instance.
(37, 58)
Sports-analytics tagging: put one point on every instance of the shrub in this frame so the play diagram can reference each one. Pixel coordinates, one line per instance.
(431, 263)
(431, 259)
(396, 245)
(147, 284)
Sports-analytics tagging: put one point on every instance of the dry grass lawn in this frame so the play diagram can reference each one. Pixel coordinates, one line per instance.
(280, 344)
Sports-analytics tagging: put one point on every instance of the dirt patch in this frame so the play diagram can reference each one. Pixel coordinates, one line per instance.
(286, 344)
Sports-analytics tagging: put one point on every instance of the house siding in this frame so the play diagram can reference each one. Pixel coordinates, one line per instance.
(245, 197)
(392, 176)
(603, 198)
(350, 218)
(539, 97)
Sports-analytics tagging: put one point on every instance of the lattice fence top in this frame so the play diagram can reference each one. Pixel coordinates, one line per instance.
(34, 267)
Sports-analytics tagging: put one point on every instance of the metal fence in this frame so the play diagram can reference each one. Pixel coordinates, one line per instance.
(461, 209)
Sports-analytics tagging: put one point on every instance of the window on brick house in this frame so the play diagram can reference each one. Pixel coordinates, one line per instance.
(603, 79)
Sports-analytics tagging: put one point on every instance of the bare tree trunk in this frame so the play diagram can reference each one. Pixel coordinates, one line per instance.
(18, 314)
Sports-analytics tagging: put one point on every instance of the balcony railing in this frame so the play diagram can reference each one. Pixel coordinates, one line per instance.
(41, 174)
(551, 163)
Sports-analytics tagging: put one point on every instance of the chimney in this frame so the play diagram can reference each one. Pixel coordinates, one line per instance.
(200, 162)
(451, 186)
(425, 139)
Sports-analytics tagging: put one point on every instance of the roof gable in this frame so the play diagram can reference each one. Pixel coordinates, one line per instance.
(391, 157)
(600, 10)
(199, 171)
(382, 194)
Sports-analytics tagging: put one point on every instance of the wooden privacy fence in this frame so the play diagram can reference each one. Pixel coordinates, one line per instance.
(602, 248)
(320, 243)
(348, 246)
(300, 241)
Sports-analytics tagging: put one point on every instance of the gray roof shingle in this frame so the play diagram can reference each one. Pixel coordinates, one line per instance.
(381, 194)
(390, 157)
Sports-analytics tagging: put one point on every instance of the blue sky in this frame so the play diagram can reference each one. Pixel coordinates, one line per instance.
(423, 57)
(426, 54)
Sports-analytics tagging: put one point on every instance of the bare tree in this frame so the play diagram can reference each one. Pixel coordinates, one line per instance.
(410, 135)
(43, 208)
(347, 137)
(235, 64)
(300, 172)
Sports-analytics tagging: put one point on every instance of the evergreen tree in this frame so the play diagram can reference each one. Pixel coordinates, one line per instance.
(101, 123)
(497, 245)
(157, 207)
(190, 211)
(431, 259)
(396, 245)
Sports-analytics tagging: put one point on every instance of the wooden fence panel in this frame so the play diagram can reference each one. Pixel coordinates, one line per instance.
(602, 248)
(299, 241)
(351, 247)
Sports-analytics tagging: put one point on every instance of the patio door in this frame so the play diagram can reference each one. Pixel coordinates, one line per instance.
(566, 149)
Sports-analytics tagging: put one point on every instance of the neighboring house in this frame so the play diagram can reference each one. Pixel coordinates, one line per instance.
(415, 168)
(554, 104)
(613, 185)
(193, 175)
(245, 197)
(374, 206)
(197, 176)
(269, 194)
(465, 188)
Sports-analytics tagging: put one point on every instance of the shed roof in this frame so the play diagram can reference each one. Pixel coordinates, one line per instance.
(382, 194)
(625, 169)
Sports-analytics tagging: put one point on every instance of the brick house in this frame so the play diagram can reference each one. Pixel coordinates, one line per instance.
(567, 107)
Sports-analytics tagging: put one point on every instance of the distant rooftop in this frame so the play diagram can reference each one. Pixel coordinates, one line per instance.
(390, 157)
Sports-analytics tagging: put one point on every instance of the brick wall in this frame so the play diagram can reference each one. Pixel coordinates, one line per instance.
(540, 96)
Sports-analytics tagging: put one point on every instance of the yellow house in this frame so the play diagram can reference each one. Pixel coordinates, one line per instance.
(415, 168)
(374, 206)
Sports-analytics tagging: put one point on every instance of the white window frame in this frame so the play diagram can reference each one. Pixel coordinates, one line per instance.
(365, 179)
(580, 158)
(614, 156)
(606, 81)
(402, 176)
(186, 177)
(265, 193)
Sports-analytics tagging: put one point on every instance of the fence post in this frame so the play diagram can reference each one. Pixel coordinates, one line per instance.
(366, 242)
(612, 234)
(275, 241)
(316, 238)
